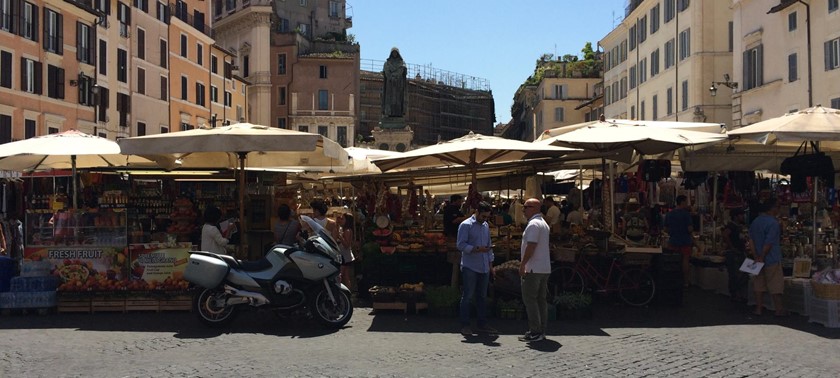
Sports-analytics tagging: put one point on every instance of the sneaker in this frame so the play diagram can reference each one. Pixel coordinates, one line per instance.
(466, 331)
(487, 329)
(531, 337)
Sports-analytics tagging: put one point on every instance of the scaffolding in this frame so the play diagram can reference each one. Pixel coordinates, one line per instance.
(433, 75)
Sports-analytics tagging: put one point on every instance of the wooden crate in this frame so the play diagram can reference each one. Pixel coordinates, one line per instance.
(177, 303)
(73, 305)
(403, 306)
(107, 304)
(142, 304)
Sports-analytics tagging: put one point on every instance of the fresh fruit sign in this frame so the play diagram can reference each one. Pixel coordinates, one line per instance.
(83, 269)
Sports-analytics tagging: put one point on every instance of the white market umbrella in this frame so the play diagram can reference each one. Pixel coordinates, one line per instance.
(71, 149)
(690, 126)
(606, 137)
(472, 151)
(812, 124)
(237, 146)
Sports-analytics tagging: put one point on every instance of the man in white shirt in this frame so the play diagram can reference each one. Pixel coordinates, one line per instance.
(553, 214)
(535, 269)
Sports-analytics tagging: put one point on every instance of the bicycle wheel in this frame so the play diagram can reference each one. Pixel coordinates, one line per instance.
(636, 287)
(564, 280)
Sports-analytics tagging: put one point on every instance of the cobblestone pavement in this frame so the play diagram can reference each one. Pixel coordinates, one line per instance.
(709, 337)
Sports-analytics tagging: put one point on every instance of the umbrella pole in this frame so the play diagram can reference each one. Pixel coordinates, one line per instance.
(243, 244)
(814, 220)
(73, 165)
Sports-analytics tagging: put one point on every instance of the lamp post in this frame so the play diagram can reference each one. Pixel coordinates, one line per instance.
(726, 83)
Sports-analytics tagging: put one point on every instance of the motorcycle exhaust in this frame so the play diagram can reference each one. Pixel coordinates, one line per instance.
(243, 296)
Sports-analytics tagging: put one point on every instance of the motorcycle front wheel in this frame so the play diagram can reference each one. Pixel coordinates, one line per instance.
(329, 314)
(210, 306)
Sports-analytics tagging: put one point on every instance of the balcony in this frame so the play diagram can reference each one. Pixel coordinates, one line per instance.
(180, 11)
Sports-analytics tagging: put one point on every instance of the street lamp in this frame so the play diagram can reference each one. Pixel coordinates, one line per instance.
(726, 83)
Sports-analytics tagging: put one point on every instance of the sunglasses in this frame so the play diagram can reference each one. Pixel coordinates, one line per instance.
(527, 206)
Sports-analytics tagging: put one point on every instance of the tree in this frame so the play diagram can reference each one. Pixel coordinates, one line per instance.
(588, 53)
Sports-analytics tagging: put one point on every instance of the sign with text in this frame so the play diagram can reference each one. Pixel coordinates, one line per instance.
(160, 266)
(83, 268)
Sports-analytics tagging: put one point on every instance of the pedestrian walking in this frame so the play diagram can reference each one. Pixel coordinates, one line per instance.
(765, 234)
(476, 267)
(534, 269)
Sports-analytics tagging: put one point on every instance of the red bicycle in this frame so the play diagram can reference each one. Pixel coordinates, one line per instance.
(633, 285)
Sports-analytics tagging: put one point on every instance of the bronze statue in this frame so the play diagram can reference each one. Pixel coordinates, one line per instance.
(393, 92)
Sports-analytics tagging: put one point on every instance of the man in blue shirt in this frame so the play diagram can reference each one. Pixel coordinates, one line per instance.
(765, 234)
(679, 226)
(476, 266)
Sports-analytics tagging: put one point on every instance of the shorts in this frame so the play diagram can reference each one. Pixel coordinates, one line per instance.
(771, 279)
(684, 250)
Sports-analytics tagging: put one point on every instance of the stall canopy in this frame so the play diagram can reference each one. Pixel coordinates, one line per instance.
(243, 143)
(812, 124)
(471, 151)
(690, 126)
(71, 149)
(646, 140)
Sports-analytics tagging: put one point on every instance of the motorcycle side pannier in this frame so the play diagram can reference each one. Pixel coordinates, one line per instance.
(205, 271)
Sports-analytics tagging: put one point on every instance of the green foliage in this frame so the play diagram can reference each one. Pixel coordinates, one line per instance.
(443, 296)
(568, 65)
(572, 301)
(588, 53)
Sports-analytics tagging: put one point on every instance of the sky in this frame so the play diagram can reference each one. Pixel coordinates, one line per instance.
(498, 40)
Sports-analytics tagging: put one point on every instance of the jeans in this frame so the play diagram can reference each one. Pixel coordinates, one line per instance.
(475, 285)
(534, 291)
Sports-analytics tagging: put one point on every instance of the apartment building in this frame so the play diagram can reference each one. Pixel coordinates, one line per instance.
(660, 61)
(772, 64)
(280, 49)
(149, 36)
(47, 66)
(189, 65)
(558, 99)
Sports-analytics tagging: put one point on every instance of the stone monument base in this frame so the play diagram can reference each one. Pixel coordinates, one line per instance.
(393, 139)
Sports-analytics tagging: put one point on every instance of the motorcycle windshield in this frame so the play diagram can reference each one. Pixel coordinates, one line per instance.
(321, 232)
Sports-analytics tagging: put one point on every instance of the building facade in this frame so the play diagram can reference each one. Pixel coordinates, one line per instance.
(259, 31)
(47, 66)
(558, 99)
(775, 71)
(674, 50)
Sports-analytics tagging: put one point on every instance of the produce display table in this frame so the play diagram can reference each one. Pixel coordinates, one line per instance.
(404, 306)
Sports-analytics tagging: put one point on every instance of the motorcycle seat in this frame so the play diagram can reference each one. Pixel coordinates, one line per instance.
(254, 266)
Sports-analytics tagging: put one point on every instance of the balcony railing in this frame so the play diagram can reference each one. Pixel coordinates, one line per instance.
(183, 14)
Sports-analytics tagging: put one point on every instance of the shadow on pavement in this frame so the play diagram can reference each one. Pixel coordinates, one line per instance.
(547, 345)
(182, 324)
(488, 340)
(700, 309)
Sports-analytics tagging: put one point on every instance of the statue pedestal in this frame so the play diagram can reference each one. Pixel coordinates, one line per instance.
(392, 123)
(393, 139)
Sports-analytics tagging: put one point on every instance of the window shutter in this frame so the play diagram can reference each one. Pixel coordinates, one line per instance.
(39, 77)
(746, 69)
(46, 30)
(828, 55)
(79, 54)
(6, 66)
(60, 83)
(108, 7)
(35, 15)
(92, 46)
(59, 37)
(14, 28)
(759, 64)
(22, 73)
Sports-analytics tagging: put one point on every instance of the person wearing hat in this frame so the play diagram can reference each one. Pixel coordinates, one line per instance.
(735, 247)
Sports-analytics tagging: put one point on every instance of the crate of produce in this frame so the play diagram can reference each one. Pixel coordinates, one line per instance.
(825, 312)
(142, 303)
(178, 303)
(826, 290)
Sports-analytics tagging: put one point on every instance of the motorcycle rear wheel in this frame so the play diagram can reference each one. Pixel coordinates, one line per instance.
(329, 314)
(209, 312)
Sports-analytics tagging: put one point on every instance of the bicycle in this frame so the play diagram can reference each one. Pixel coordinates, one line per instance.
(633, 285)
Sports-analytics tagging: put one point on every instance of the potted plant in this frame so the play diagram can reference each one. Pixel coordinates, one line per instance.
(573, 305)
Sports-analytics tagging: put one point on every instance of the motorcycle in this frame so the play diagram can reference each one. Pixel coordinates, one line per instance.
(289, 279)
